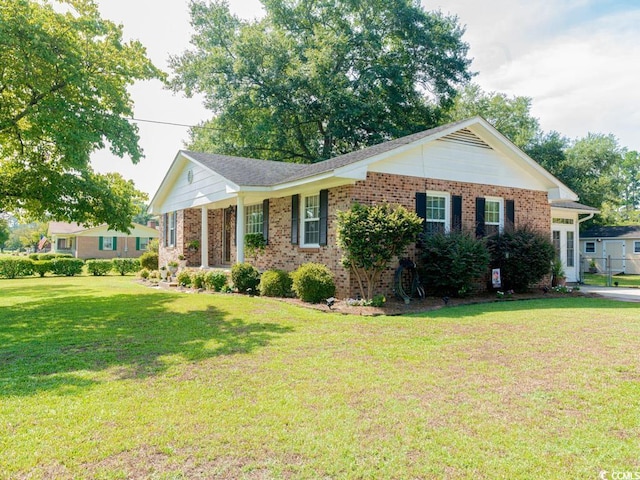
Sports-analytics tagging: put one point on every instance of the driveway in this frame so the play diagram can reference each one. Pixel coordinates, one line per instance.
(614, 293)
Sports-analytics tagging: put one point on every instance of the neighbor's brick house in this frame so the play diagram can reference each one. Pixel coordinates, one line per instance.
(464, 175)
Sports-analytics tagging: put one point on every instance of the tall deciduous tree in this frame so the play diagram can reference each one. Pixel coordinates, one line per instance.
(63, 90)
(317, 78)
(510, 115)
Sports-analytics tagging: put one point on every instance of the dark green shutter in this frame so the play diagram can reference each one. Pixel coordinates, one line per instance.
(138, 243)
(265, 221)
(115, 243)
(510, 214)
(100, 243)
(295, 217)
(480, 227)
(324, 216)
(421, 208)
(456, 213)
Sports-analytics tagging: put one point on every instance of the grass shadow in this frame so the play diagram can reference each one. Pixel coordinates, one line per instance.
(55, 341)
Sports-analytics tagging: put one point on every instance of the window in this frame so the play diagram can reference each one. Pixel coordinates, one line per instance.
(570, 249)
(590, 247)
(636, 247)
(493, 215)
(437, 213)
(555, 239)
(254, 219)
(311, 221)
(62, 244)
(107, 243)
(563, 221)
(171, 219)
(143, 243)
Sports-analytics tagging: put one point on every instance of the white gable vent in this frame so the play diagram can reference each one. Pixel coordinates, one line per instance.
(465, 137)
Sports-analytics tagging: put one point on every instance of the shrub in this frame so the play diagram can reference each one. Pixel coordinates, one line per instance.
(15, 267)
(33, 256)
(125, 265)
(144, 273)
(42, 267)
(52, 255)
(67, 266)
(275, 283)
(184, 278)
(245, 277)
(99, 267)
(452, 263)
(197, 279)
(523, 256)
(215, 280)
(149, 260)
(313, 282)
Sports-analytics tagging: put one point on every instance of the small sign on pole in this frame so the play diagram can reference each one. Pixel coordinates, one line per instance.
(496, 281)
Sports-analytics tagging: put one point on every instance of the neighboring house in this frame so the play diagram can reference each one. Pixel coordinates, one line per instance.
(99, 242)
(464, 175)
(616, 248)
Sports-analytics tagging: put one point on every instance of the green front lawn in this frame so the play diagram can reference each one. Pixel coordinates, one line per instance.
(104, 378)
(600, 279)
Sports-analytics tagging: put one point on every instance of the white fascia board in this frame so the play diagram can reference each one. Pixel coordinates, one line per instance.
(562, 192)
(352, 172)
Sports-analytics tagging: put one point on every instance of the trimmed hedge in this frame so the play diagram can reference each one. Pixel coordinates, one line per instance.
(245, 277)
(99, 267)
(275, 283)
(215, 280)
(42, 267)
(313, 282)
(149, 260)
(125, 265)
(68, 267)
(16, 267)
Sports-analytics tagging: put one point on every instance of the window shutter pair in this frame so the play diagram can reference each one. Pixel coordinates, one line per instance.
(101, 243)
(456, 211)
(509, 213)
(324, 218)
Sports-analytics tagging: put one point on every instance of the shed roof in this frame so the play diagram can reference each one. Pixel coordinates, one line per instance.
(617, 231)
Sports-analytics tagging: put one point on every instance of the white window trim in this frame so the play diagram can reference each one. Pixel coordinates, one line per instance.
(500, 202)
(636, 246)
(105, 239)
(586, 244)
(304, 220)
(447, 208)
(247, 212)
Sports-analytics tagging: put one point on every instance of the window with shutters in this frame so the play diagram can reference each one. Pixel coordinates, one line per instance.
(310, 220)
(143, 243)
(107, 243)
(438, 210)
(493, 215)
(254, 219)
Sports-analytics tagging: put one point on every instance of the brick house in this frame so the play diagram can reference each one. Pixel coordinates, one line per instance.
(461, 175)
(99, 242)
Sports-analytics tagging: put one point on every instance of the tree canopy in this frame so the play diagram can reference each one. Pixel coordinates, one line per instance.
(63, 89)
(316, 78)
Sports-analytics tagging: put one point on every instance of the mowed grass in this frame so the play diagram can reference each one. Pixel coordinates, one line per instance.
(600, 279)
(107, 379)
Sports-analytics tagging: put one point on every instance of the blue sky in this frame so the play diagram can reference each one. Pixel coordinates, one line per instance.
(579, 61)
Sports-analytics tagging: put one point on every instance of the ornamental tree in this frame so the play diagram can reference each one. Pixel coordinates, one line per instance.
(63, 94)
(371, 236)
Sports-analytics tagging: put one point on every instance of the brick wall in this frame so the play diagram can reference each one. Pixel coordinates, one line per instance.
(531, 207)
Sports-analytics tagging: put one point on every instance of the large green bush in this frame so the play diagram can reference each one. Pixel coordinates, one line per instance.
(523, 256)
(275, 283)
(67, 266)
(15, 267)
(245, 277)
(198, 279)
(313, 282)
(215, 280)
(125, 265)
(149, 260)
(99, 267)
(452, 263)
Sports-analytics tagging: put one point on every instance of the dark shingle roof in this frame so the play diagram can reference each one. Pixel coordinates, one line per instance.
(261, 173)
(619, 231)
(574, 206)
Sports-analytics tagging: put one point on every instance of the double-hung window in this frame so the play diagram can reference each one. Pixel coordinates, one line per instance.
(590, 247)
(107, 243)
(636, 247)
(254, 219)
(310, 214)
(493, 215)
(437, 213)
(171, 219)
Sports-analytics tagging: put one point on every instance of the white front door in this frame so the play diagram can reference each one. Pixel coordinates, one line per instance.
(565, 242)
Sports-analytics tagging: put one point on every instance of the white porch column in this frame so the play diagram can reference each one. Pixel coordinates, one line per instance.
(204, 239)
(240, 230)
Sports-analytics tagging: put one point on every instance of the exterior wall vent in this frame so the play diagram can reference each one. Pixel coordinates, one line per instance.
(466, 137)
